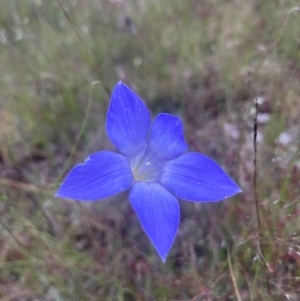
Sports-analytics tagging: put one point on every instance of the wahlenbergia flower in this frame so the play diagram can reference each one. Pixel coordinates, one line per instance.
(153, 163)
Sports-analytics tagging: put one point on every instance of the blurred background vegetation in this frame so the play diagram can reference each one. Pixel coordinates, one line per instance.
(205, 61)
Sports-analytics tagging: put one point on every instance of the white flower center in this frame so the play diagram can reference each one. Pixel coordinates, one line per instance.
(144, 169)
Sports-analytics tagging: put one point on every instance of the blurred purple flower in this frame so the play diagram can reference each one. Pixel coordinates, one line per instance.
(153, 163)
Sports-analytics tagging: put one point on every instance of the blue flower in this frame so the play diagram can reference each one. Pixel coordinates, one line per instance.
(153, 163)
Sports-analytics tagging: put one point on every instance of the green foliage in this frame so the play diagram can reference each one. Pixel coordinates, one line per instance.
(203, 60)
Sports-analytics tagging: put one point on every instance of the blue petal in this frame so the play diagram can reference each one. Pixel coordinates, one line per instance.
(195, 177)
(103, 174)
(128, 121)
(158, 212)
(166, 139)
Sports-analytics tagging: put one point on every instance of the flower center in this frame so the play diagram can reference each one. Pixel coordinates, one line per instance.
(144, 169)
